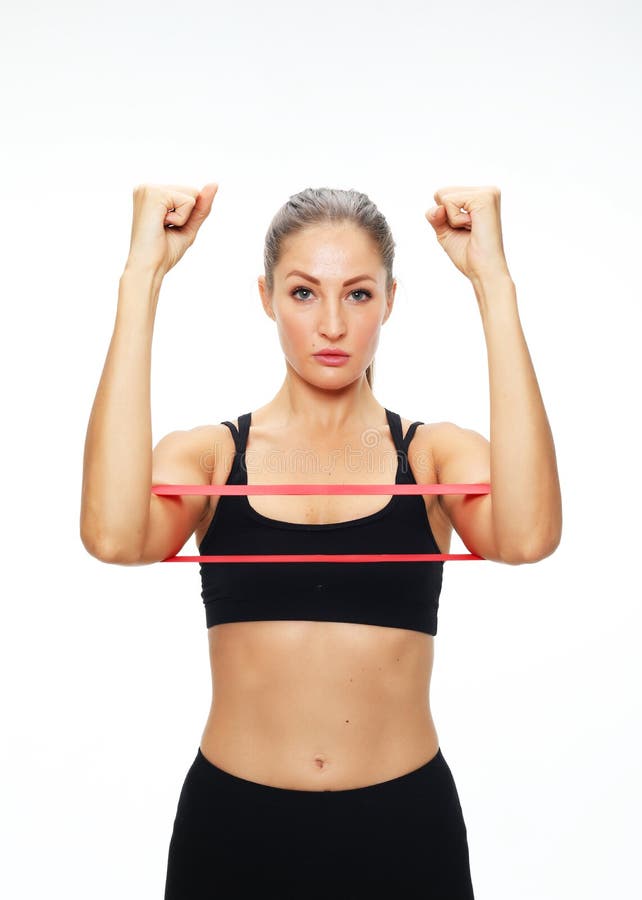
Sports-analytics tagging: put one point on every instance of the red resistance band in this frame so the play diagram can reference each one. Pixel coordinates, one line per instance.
(240, 489)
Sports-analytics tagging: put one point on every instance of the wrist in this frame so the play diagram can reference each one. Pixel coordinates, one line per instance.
(494, 288)
(139, 289)
(142, 271)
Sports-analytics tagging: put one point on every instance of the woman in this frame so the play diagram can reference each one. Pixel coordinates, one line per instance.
(319, 772)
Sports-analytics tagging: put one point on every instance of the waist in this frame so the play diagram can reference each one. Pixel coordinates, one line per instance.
(319, 748)
(297, 701)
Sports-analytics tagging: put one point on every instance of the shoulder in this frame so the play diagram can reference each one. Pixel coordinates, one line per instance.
(459, 454)
(420, 449)
(435, 445)
(426, 435)
(205, 446)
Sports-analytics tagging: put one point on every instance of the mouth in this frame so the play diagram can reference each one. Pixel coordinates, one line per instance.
(331, 358)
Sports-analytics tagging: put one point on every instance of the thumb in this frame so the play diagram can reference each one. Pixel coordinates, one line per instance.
(202, 208)
(207, 195)
(435, 215)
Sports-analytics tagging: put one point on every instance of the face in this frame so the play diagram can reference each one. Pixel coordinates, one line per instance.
(315, 308)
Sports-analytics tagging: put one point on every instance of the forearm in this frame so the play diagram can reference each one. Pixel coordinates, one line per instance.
(117, 467)
(526, 497)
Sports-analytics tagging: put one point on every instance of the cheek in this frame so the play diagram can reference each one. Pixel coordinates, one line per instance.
(369, 330)
(293, 331)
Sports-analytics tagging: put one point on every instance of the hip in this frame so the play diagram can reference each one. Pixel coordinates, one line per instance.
(405, 833)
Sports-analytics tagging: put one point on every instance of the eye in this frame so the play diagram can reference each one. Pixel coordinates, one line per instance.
(362, 291)
(368, 294)
(296, 291)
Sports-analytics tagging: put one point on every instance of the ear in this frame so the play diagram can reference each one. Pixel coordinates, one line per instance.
(390, 301)
(266, 298)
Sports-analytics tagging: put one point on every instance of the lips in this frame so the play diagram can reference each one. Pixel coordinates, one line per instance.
(330, 353)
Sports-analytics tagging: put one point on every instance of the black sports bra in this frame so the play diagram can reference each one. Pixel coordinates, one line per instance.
(393, 594)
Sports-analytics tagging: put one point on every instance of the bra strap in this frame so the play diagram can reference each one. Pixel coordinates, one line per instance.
(394, 421)
(239, 434)
(409, 435)
(240, 461)
(235, 433)
(404, 472)
(244, 430)
(396, 429)
(239, 468)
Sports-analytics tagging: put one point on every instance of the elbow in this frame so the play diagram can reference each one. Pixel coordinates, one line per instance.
(109, 553)
(517, 555)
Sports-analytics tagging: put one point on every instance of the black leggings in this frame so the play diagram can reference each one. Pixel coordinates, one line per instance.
(401, 838)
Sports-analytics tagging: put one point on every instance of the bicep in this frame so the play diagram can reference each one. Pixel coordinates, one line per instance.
(181, 457)
(462, 456)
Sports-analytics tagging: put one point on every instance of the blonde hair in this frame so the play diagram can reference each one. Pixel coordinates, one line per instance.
(314, 206)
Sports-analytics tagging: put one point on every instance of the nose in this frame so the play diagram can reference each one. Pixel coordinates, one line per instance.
(331, 321)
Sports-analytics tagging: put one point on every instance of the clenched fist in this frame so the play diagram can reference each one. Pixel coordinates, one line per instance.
(165, 223)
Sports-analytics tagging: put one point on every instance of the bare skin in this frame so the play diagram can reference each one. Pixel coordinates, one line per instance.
(310, 705)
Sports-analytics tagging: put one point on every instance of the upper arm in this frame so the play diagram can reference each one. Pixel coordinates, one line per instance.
(462, 456)
(181, 457)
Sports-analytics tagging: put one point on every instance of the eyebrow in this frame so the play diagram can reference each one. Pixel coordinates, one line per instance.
(345, 283)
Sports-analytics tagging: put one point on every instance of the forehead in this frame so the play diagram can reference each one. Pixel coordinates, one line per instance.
(330, 246)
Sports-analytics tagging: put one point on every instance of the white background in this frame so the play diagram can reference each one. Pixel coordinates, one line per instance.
(104, 668)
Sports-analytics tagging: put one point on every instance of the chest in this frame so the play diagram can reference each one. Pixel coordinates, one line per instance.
(320, 509)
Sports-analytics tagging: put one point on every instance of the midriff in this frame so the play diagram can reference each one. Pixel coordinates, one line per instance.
(310, 705)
